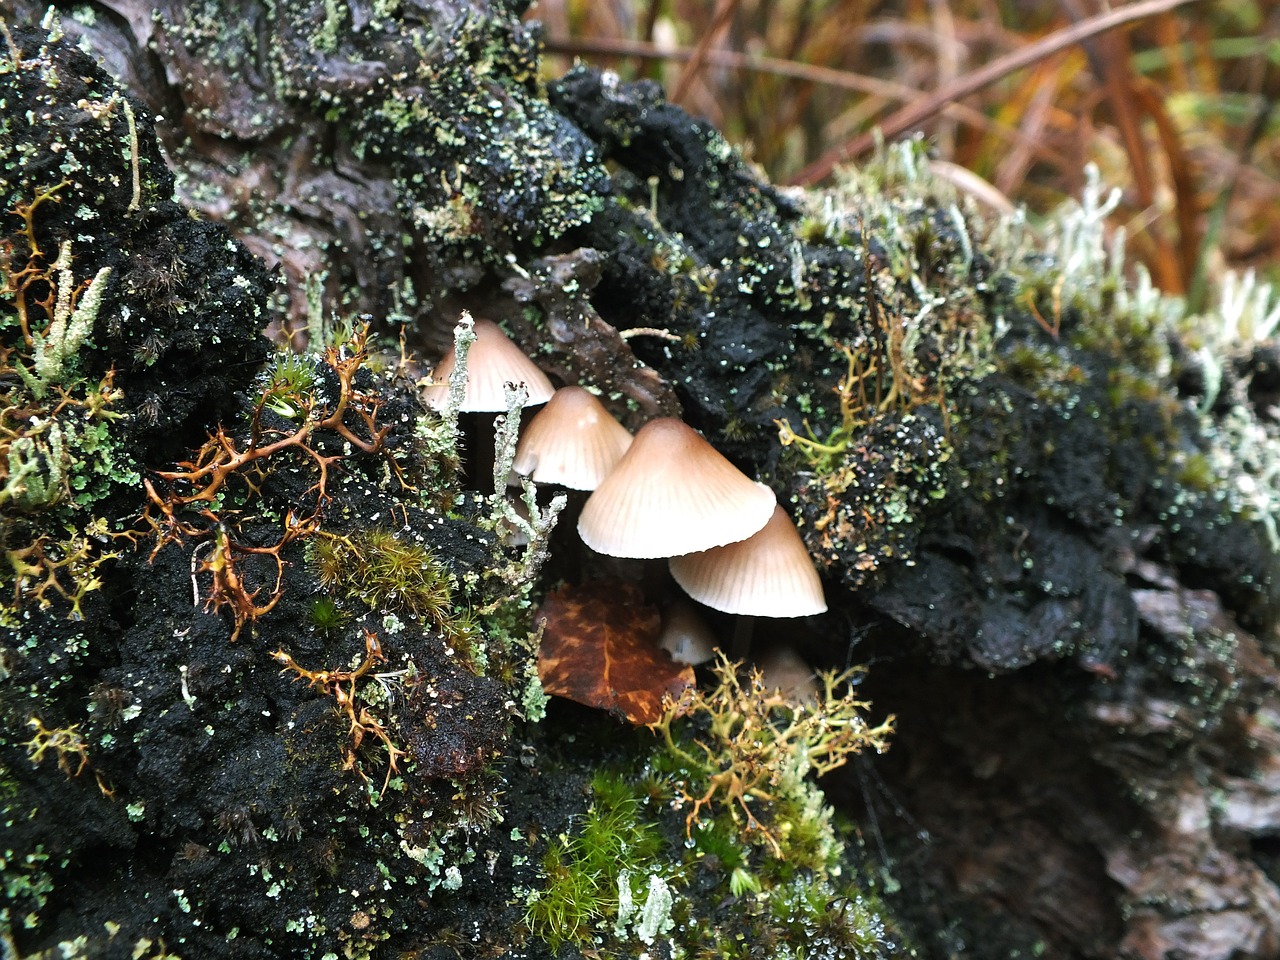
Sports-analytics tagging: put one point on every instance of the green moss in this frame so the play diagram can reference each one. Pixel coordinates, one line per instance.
(377, 569)
(288, 384)
(716, 838)
(614, 844)
(325, 616)
(1197, 473)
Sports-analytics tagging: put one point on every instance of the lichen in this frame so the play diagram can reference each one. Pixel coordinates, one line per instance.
(718, 835)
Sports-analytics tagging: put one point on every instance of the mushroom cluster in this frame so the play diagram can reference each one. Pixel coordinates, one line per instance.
(731, 546)
(665, 494)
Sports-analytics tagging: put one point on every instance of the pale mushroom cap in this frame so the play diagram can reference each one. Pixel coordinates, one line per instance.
(784, 670)
(768, 575)
(492, 362)
(671, 493)
(573, 441)
(685, 635)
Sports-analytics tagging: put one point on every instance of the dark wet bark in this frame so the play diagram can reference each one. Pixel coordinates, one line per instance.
(1078, 652)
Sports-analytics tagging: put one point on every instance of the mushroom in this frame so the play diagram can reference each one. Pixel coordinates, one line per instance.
(784, 670)
(767, 575)
(573, 441)
(672, 493)
(685, 635)
(492, 362)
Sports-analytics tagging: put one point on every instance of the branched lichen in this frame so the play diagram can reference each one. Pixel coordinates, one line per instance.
(362, 721)
(758, 744)
(637, 871)
(67, 743)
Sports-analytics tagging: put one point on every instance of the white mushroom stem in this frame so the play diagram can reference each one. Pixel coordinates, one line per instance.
(744, 628)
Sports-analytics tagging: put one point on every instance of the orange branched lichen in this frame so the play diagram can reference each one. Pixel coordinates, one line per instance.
(18, 282)
(752, 745)
(189, 505)
(228, 589)
(341, 685)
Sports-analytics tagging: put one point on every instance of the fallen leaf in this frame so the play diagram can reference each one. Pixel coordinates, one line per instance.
(600, 648)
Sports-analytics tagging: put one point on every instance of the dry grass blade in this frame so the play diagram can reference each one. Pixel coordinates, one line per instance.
(719, 20)
(1163, 108)
(1179, 267)
(645, 50)
(882, 90)
(926, 107)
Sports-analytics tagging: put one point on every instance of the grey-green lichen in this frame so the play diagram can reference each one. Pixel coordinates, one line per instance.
(718, 836)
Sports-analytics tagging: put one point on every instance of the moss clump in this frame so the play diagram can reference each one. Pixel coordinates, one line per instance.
(717, 836)
(325, 616)
(609, 855)
(377, 569)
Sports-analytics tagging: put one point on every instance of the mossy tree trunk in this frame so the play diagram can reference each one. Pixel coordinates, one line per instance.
(1023, 517)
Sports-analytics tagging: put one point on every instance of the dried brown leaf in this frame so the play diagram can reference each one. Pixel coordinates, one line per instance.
(599, 648)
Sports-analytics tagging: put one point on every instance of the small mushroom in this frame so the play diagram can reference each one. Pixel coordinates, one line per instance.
(492, 362)
(769, 574)
(573, 441)
(784, 670)
(685, 635)
(672, 493)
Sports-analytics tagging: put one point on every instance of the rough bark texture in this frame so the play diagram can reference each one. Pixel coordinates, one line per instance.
(1019, 508)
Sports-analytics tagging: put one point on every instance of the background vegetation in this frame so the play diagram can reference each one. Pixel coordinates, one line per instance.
(1178, 108)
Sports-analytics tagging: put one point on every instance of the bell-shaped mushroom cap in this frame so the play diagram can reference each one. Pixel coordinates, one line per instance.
(492, 361)
(768, 575)
(784, 670)
(685, 635)
(671, 493)
(573, 441)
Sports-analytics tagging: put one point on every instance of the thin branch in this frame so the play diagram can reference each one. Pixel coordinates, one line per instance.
(925, 107)
(808, 73)
(724, 12)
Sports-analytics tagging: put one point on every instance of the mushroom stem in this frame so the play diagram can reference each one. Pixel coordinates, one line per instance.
(744, 627)
(655, 580)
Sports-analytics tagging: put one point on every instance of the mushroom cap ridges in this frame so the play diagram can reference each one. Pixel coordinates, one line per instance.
(573, 441)
(492, 361)
(768, 575)
(672, 493)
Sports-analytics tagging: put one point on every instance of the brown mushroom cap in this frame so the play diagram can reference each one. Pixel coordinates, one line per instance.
(492, 362)
(672, 493)
(768, 575)
(573, 441)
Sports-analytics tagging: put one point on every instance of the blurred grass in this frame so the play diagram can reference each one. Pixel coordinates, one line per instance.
(1178, 108)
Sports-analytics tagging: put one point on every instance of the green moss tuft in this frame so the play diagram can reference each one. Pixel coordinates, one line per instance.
(383, 572)
(325, 616)
(583, 872)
